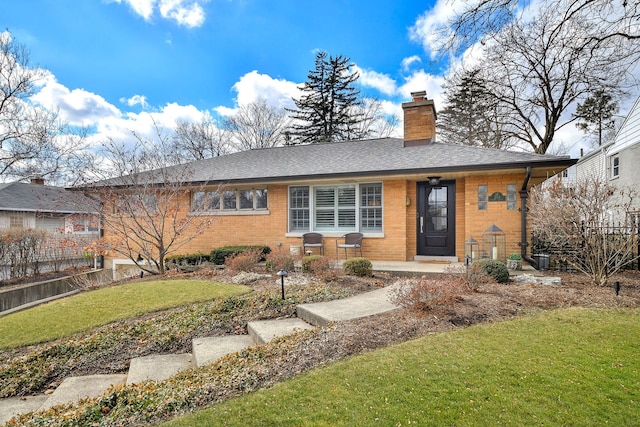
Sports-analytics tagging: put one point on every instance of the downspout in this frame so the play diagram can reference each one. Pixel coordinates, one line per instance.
(524, 194)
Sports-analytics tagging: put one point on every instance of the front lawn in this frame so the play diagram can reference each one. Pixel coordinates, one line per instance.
(565, 367)
(84, 311)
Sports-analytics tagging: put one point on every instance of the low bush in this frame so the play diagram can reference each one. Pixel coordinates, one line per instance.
(429, 294)
(187, 259)
(308, 260)
(318, 265)
(476, 276)
(243, 261)
(358, 267)
(279, 260)
(495, 269)
(219, 255)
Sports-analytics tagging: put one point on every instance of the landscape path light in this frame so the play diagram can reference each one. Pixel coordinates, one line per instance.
(282, 273)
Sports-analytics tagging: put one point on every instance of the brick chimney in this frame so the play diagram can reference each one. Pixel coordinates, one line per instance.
(37, 180)
(419, 120)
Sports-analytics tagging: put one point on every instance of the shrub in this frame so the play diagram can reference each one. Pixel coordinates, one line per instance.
(318, 265)
(495, 269)
(244, 261)
(515, 257)
(307, 261)
(428, 294)
(279, 260)
(187, 259)
(358, 267)
(476, 276)
(219, 255)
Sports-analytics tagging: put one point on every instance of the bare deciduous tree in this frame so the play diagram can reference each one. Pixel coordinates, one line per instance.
(591, 224)
(541, 58)
(33, 140)
(201, 140)
(257, 125)
(611, 19)
(144, 204)
(374, 122)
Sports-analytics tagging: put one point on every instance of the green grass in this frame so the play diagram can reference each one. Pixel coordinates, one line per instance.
(81, 312)
(566, 367)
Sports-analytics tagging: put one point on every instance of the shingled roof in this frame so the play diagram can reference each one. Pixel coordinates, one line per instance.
(21, 197)
(374, 158)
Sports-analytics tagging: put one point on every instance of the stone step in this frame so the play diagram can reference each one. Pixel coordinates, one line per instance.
(209, 349)
(73, 389)
(12, 406)
(358, 306)
(263, 331)
(158, 367)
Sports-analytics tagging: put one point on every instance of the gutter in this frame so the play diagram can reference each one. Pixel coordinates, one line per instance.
(524, 195)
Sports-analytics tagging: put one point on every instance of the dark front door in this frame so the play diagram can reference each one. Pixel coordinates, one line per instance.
(436, 218)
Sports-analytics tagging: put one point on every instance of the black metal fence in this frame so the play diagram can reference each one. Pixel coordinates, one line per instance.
(556, 254)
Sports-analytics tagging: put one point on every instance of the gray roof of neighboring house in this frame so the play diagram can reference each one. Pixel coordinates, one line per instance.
(375, 157)
(21, 197)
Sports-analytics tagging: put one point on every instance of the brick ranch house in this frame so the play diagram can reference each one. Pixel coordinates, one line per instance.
(411, 197)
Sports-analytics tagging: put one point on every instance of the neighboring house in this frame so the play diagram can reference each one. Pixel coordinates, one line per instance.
(623, 157)
(412, 198)
(63, 215)
(40, 207)
(618, 160)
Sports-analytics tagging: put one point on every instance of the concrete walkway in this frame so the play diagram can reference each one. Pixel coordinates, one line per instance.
(204, 350)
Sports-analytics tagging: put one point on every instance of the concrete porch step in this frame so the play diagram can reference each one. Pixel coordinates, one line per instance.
(73, 389)
(263, 331)
(158, 367)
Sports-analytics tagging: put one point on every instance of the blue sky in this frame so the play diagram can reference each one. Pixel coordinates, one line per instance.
(114, 64)
(116, 50)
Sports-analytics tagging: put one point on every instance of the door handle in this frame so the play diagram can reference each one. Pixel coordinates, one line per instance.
(421, 224)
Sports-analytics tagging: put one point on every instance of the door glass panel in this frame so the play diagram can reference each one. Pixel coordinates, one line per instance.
(437, 209)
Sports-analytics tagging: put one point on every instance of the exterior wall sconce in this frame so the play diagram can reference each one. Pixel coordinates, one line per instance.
(408, 201)
(434, 180)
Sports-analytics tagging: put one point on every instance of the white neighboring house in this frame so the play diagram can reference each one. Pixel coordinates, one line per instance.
(623, 157)
(619, 160)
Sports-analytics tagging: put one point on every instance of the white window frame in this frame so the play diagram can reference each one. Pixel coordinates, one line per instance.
(337, 231)
(615, 166)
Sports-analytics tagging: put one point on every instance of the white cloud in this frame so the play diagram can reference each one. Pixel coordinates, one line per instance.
(379, 81)
(140, 100)
(188, 13)
(425, 29)
(408, 62)
(253, 86)
(77, 106)
(421, 80)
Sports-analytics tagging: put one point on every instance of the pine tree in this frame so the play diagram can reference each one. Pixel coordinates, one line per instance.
(596, 113)
(470, 116)
(329, 109)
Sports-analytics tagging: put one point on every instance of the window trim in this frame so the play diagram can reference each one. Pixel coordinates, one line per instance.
(357, 209)
(615, 166)
(220, 210)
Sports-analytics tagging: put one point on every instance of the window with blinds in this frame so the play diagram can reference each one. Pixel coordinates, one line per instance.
(336, 208)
